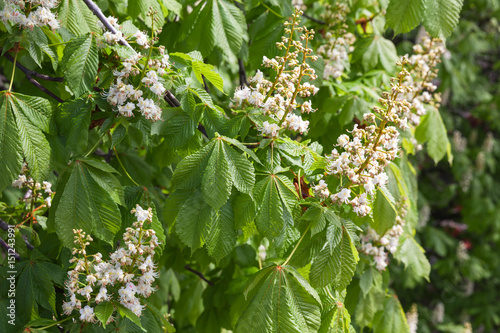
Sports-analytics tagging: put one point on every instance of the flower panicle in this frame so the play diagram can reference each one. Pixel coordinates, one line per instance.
(279, 99)
(127, 276)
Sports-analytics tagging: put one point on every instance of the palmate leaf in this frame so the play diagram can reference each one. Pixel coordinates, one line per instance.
(216, 23)
(193, 220)
(279, 300)
(335, 317)
(201, 69)
(391, 318)
(75, 16)
(222, 234)
(74, 120)
(82, 203)
(442, 16)
(22, 121)
(103, 311)
(80, 63)
(433, 131)
(269, 219)
(337, 266)
(217, 181)
(404, 15)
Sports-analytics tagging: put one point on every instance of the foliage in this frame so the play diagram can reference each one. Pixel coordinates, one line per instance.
(254, 223)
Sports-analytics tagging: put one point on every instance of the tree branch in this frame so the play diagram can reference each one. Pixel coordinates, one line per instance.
(171, 100)
(5, 226)
(29, 75)
(9, 249)
(313, 19)
(242, 73)
(210, 283)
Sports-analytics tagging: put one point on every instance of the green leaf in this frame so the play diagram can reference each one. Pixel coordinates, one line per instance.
(141, 8)
(335, 317)
(75, 120)
(279, 300)
(433, 131)
(189, 172)
(193, 221)
(337, 267)
(125, 312)
(269, 218)
(82, 203)
(80, 64)
(241, 170)
(442, 16)
(22, 120)
(242, 147)
(216, 23)
(413, 257)
(178, 128)
(384, 212)
(103, 311)
(201, 69)
(404, 15)
(217, 181)
(380, 50)
(75, 16)
(391, 319)
(221, 235)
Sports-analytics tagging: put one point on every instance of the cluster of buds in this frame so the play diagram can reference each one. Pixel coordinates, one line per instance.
(459, 142)
(126, 96)
(362, 159)
(339, 42)
(278, 99)
(378, 246)
(34, 189)
(114, 38)
(31, 13)
(423, 70)
(128, 274)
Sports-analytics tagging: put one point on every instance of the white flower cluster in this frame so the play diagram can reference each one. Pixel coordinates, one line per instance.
(339, 43)
(278, 99)
(364, 157)
(379, 247)
(321, 190)
(128, 274)
(31, 13)
(114, 38)
(423, 70)
(33, 189)
(127, 98)
(412, 318)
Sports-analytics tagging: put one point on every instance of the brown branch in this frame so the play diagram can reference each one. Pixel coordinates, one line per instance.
(9, 250)
(5, 226)
(29, 75)
(242, 73)
(205, 84)
(314, 19)
(200, 275)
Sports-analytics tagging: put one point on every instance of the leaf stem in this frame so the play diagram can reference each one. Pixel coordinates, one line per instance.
(14, 68)
(297, 245)
(57, 322)
(123, 167)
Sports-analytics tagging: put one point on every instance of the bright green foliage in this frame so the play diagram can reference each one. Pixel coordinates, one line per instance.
(280, 300)
(433, 132)
(76, 17)
(442, 16)
(80, 63)
(404, 15)
(413, 257)
(384, 212)
(23, 121)
(86, 203)
(336, 266)
(391, 318)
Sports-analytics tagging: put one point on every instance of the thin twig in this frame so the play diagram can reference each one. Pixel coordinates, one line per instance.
(205, 84)
(313, 19)
(9, 250)
(29, 75)
(5, 226)
(210, 283)
(242, 73)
